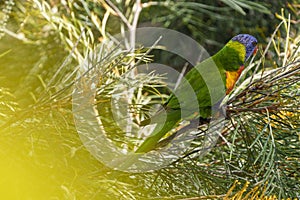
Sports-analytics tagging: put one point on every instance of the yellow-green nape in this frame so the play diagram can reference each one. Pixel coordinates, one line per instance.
(240, 48)
(231, 56)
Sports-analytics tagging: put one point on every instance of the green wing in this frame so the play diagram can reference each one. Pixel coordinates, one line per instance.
(202, 87)
(192, 97)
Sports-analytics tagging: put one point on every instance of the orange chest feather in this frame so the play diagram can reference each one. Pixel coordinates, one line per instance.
(231, 78)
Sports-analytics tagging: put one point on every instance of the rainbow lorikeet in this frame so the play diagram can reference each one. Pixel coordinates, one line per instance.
(228, 62)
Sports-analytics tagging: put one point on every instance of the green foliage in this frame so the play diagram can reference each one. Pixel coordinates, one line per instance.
(5, 13)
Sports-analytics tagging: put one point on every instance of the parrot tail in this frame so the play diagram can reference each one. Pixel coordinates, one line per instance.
(145, 122)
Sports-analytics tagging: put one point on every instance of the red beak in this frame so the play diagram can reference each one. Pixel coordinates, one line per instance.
(255, 50)
(241, 69)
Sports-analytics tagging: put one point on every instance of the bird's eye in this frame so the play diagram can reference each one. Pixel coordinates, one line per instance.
(254, 43)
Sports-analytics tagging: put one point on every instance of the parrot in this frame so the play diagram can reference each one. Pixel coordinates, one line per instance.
(229, 62)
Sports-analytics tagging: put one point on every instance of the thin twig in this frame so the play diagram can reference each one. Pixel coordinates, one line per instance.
(260, 109)
(133, 27)
(264, 53)
(119, 13)
(181, 75)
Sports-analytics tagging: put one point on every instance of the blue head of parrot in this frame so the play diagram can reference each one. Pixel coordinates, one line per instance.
(249, 42)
